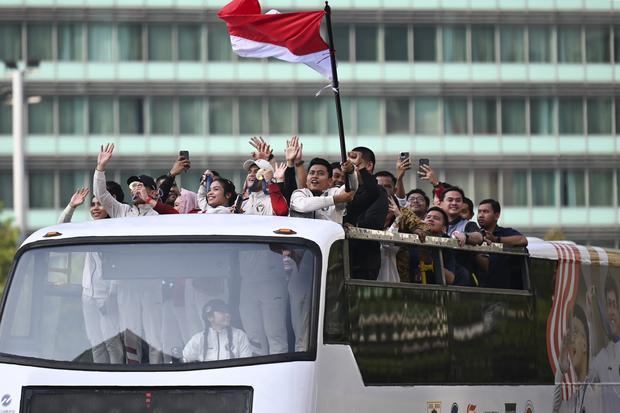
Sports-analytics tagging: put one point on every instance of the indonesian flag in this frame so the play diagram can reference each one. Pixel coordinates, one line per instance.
(293, 37)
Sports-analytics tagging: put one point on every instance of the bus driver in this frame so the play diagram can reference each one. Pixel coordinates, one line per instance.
(214, 343)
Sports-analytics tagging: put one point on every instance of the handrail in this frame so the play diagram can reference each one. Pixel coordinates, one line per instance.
(437, 242)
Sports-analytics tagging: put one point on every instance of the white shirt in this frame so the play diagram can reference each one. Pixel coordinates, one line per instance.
(218, 348)
(258, 203)
(114, 208)
(306, 205)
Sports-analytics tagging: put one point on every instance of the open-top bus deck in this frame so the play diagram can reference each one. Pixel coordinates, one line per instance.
(113, 315)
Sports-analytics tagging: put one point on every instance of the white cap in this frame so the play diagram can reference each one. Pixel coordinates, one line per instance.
(261, 163)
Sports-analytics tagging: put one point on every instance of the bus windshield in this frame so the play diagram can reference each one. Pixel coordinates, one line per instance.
(160, 303)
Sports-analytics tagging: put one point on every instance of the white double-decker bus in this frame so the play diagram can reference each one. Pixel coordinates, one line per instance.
(217, 313)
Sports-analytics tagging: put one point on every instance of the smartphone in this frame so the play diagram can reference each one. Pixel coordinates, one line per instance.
(184, 154)
(423, 161)
(238, 203)
(404, 155)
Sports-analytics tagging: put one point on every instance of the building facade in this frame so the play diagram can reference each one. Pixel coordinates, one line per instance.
(516, 100)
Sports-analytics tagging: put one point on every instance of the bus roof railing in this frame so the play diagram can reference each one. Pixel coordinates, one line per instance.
(429, 241)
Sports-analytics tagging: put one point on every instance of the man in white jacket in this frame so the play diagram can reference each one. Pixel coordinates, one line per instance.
(139, 300)
(219, 340)
(319, 200)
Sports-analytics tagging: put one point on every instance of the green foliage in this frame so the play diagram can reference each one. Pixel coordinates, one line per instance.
(8, 245)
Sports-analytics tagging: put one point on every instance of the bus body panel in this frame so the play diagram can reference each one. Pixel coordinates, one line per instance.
(279, 388)
(341, 389)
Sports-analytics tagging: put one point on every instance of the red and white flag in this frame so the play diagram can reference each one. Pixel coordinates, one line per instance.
(293, 37)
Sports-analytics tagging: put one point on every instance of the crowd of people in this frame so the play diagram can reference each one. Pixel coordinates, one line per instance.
(349, 193)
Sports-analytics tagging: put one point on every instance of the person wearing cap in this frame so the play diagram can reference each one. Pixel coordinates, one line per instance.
(262, 194)
(319, 200)
(142, 187)
(219, 340)
(139, 301)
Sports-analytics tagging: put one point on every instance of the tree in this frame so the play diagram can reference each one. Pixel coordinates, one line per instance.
(8, 245)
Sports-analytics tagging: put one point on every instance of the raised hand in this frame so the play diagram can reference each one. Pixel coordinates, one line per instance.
(280, 169)
(180, 165)
(78, 197)
(346, 167)
(263, 150)
(356, 159)
(105, 154)
(393, 208)
(402, 166)
(291, 150)
(427, 173)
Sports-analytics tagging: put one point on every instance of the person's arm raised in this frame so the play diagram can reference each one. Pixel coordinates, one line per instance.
(112, 206)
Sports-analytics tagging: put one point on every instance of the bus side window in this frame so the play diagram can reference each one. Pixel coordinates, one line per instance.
(335, 323)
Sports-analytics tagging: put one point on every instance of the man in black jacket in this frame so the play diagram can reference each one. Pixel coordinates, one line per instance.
(368, 209)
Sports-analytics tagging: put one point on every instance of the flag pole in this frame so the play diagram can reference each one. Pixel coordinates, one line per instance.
(336, 87)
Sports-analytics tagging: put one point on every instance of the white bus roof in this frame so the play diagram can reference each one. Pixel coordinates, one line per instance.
(320, 231)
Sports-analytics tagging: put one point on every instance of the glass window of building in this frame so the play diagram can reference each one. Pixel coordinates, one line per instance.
(483, 43)
(341, 42)
(454, 44)
(71, 115)
(10, 41)
(455, 116)
(69, 38)
(131, 115)
(512, 43)
(6, 189)
(540, 44)
(41, 117)
(569, 44)
(397, 115)
(100, 115)
(425, 44)
(427, 116)
(460, 178)
(513, 116)
(189, 42)
(601, 187)
(6, 119)
(543, 188)
(571, 116)
(220, 115)
(515, 188)
(191, 115)
(160, 42)
(41, 189)
(69, 181)
(541, 116)
(309, 116)
(332, 121)
(366, 39)
(572, 188)
(599, 116)
(280, 115)
(368, 116)
(129, 42)
(598, 47)
(218, 45)
(396, 44)
(161, 115)
(617, 44)
(251, 115)
(485, 185)
(485, 115)
(617, 118)
(40, 41)
(100, 42)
